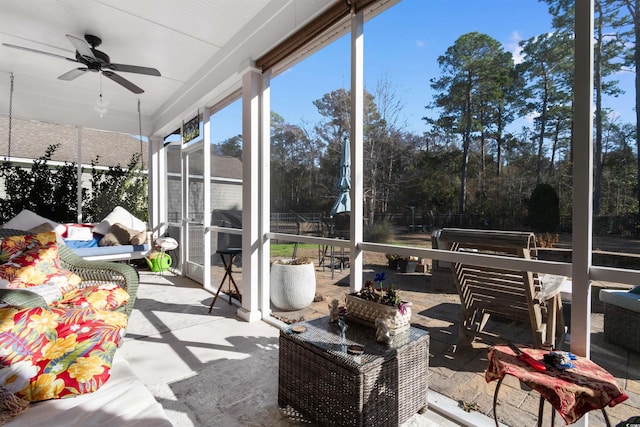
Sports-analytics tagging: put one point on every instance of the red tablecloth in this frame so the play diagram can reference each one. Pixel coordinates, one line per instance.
(572, 392)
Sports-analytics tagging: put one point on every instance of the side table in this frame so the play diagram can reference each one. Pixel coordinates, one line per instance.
(383, 386)
(231, 253)
(571, 392)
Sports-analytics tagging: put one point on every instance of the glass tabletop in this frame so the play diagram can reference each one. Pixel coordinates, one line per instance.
(327, 337)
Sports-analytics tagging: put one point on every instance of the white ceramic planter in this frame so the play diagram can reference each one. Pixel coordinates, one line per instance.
(292, 287)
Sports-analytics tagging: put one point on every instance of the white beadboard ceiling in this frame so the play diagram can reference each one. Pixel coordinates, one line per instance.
(201, 48)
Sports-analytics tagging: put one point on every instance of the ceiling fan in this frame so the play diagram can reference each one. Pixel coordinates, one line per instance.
(96, 61)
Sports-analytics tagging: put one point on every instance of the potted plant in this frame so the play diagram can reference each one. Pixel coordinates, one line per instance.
(392, 259)
(373, 302)
(408, 264)
(292, 283)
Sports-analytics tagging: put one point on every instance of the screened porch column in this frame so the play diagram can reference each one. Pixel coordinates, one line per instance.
(582, 181)
(206, 187)
(356, 141)
(157, 167)
(251, 88)
(264, 212)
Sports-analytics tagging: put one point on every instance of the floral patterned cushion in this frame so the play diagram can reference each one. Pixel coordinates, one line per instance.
(12, 246)
(50, 354)
(107, 296)
(33, 261)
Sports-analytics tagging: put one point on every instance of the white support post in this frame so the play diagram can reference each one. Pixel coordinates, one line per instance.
(356, 141)
(206, 182)
(582, 185)
(251, 85)
(583, 181)
(264, 212)
(184, 218)
(157, 186)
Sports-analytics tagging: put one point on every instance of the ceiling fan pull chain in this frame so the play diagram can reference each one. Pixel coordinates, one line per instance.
(10, 116)
(140, 136)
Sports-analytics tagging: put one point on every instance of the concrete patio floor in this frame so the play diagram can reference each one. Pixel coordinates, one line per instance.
(213, 369)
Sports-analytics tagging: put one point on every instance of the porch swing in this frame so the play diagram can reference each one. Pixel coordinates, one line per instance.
(87, 246)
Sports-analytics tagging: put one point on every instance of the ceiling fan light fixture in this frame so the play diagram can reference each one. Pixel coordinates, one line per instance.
(101, 106)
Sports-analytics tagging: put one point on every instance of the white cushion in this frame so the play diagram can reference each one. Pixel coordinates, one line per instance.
(75, 232)
(119, 215)
(166, 243)
(27, 220)
(624, 299)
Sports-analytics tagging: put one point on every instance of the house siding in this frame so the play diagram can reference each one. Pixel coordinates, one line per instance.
(29, 139)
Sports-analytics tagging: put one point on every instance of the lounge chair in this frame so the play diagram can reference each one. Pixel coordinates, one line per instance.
(508, 294)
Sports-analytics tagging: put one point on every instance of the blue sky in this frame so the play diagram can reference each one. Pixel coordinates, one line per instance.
(402, 45)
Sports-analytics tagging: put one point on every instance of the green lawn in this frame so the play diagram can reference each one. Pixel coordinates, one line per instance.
(286, 249)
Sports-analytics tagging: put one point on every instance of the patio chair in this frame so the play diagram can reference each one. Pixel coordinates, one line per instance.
(91, 272)
(507, 294)
(328, 255)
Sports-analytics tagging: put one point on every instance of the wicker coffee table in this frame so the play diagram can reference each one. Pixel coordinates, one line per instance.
(329, 385)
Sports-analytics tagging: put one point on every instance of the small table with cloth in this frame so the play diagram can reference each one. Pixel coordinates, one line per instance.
(572, 392)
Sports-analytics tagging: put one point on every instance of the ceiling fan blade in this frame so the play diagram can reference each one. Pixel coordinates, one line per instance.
(82, 47)
(28, 49)
(122, 81)
(75, 73)
(134, 69)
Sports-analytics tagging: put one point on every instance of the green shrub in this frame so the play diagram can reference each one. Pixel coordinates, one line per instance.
(51, 191)
(379, 232)
(544, 209)
(117, 186)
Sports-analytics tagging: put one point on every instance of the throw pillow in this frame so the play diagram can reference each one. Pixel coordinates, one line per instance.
(12, 246)
(45, 227)
(39, 265)
(118, 235)
(79, 232)
(26, 220)
(139, 238)
(122, 216)
(57, 353)
(42, 228)
(108, 296)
